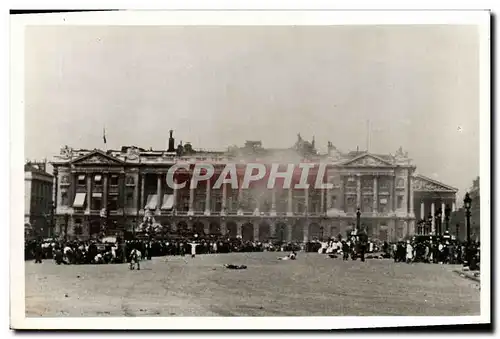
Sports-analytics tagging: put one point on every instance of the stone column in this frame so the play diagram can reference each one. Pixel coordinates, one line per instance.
(89, 193)
(322, 202)
(393, 193)
(142, 199)
(411, 227)
(206, 227)
(174, 205)
(158, 194)
(442, 214)
(191, 200)
(272, 229)
(290, 202)
(239, 226)
(104, 201)
(306, 232)
(224, 198)
(289, 229)
(433, 227)
(453, 207)
(358, 191)
(341, 199)
(273, 202)
(72, 188)
(207, 199)
(306, 200)
(55, 190)
(411, 194)
(375, 193)
(240, 200)
(422, 211)
(255, 232)
(223, 227)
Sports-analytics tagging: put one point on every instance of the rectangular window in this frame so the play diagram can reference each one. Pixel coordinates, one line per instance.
(400, 201)
(113, 180)
(382, 206)
(113, 202)
(96, 203)
(81, 179)
(98, 179)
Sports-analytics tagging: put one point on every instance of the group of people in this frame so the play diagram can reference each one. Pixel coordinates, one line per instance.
(75, 252)
(437, 250)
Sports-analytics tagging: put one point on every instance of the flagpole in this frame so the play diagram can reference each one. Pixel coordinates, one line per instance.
(104, 138)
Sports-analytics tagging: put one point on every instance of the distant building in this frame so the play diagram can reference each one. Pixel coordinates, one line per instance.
(458, 222)
(37, 199)
(124, 187)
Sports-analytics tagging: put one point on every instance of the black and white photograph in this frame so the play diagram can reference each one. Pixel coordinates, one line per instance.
(235, 166)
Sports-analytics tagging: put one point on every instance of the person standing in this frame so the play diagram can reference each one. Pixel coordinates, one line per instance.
(193, 249)
(38, 253)
(409, 252)
(345, 250)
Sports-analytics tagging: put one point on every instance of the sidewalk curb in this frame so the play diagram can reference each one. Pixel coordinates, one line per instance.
(467, 276)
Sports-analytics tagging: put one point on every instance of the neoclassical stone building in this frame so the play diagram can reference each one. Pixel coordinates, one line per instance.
(123, 186)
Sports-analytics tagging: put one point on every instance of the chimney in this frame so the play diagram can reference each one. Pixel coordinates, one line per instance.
(171, 142)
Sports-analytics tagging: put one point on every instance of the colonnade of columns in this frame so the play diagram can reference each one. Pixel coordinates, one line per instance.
(434, 209)
(290, 211)
(273, 229)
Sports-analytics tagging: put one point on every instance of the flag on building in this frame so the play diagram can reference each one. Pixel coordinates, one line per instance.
(104, 135)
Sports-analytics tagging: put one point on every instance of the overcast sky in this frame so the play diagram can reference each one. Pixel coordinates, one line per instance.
(217, 86)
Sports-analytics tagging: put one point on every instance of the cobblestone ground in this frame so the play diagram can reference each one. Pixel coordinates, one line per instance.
(312, 285)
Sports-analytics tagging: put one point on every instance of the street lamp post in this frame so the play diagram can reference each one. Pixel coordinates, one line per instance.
(429, 223)
(322, 230)
(358, 219)
(467, 205)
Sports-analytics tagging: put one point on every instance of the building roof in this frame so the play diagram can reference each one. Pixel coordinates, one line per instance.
(36, 168)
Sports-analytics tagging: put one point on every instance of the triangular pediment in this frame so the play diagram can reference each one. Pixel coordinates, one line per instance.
(96, 157)
(425, 184)
(367, 160)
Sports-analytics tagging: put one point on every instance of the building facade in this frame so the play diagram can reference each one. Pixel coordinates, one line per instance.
(432, 199)
(37, 199)
(125, 186)
(458, 218)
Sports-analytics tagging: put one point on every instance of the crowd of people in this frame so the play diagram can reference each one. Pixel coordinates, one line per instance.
(417, 250)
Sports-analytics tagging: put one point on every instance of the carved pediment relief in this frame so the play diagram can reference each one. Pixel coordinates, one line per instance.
(368, 160)
(133, 153)
(421, 183)
(97, 158)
